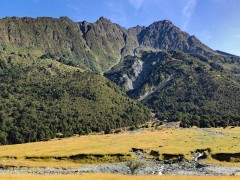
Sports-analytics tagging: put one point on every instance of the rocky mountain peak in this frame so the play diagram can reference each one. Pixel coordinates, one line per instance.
(163, 22)
(85, 27)
(104, 20)
(163, 25)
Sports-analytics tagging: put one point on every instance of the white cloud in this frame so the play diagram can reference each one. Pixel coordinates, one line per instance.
(188, 11)
(137, 4)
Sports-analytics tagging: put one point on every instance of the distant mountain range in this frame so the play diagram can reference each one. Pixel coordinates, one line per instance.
(58, 65)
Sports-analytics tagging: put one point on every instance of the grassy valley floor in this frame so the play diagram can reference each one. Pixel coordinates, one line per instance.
(169, 146)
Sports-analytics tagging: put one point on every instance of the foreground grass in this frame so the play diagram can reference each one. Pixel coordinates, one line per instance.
(171, 141)
(113, 177)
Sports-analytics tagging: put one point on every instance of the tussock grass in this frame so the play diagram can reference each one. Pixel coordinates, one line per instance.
(169, 141)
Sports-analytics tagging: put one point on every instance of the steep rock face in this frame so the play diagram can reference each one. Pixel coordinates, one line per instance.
(138, 70)
(132, 78)
(163, 35)
(131, 41)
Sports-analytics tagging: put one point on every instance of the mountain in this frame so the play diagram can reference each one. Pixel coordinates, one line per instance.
(101, 45)
(163, 35)
(95, 46)
(181, 86)
(60, 39)
(179, 77)
(51, 78)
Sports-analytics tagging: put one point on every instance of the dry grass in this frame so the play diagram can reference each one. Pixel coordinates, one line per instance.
(172, 141)
(36, 164)
(113, 177)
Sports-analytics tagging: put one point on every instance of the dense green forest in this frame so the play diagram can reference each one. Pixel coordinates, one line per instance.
(41, 99)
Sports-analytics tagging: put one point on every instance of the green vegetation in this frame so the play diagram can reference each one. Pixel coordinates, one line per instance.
(93, 47)
(48, 85)
(42, 99)
(105, 40)
(179, 87)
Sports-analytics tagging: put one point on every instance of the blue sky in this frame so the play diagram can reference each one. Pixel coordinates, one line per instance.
(215, 22)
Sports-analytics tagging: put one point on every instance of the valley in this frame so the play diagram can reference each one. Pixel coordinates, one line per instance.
(81, 98)
(171, 147)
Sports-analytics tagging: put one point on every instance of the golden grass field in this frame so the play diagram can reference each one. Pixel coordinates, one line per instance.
(113, 177)
(171, 141)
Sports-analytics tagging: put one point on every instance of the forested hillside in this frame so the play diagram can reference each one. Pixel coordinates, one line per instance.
(41, 99)
(181, 87)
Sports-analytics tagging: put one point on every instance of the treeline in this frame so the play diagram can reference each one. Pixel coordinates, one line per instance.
(204, 120)
(36, 106)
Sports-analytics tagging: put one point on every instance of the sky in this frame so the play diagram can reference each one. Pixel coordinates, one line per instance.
(215, 22)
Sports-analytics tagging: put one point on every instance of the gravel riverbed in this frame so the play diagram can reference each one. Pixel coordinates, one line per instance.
(138, 167)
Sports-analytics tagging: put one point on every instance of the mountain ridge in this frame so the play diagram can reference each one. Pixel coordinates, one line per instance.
(100, 45)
